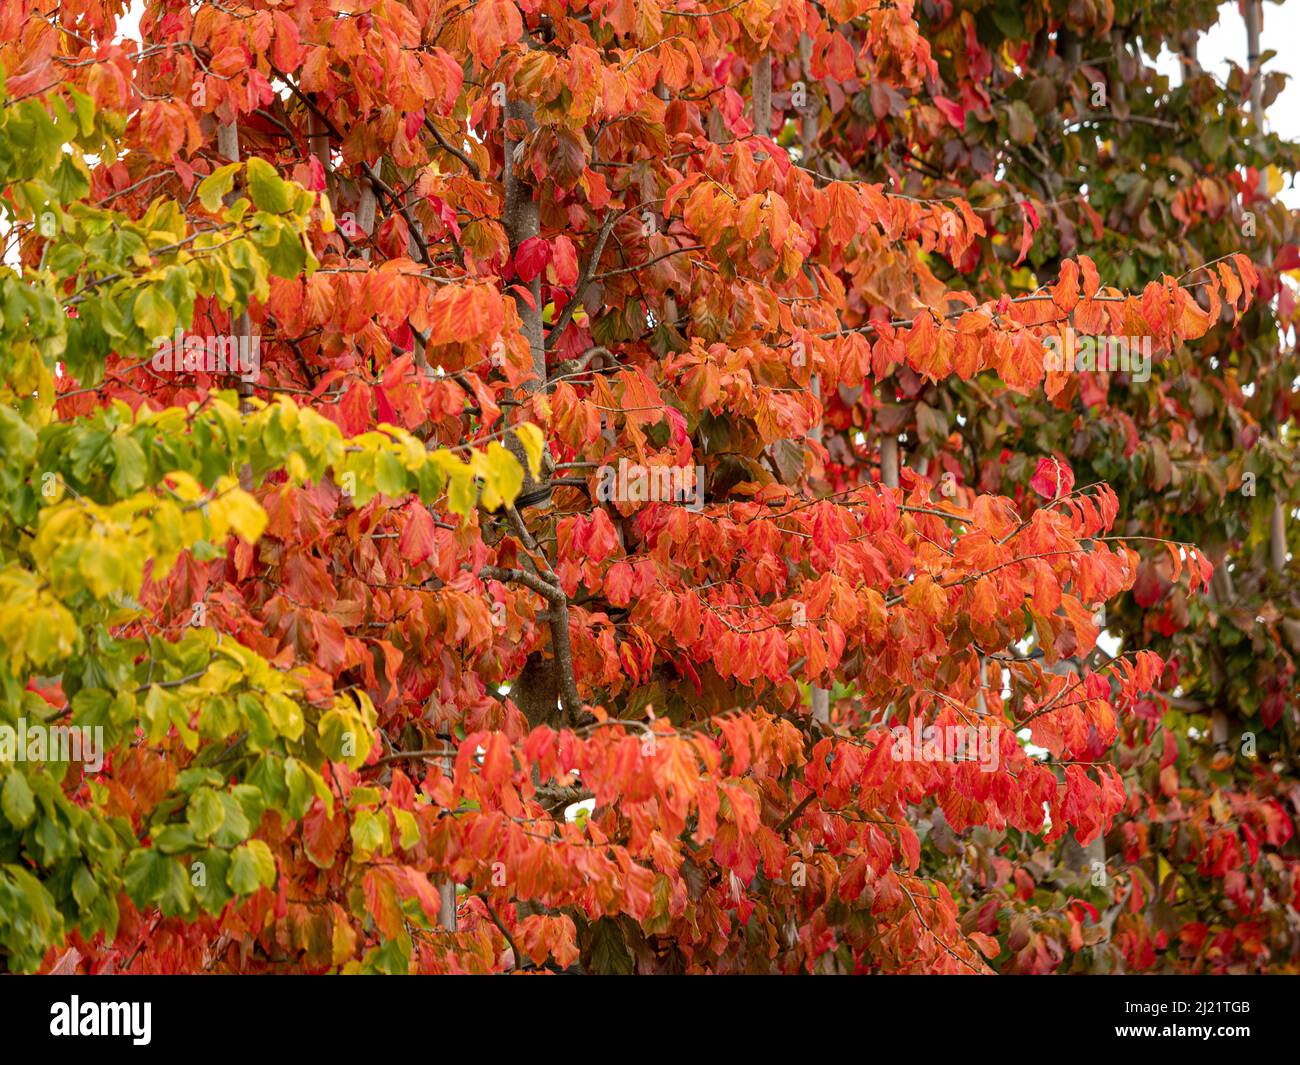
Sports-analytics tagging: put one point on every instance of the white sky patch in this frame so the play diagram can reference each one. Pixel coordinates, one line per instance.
(1225, 43)
(572, 810)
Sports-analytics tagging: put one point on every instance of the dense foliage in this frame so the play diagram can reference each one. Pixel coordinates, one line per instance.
(513, 482)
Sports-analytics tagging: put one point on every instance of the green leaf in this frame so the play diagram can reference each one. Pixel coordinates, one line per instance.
(270, 192)
(606, 952)
(390, 474)
(129, 466)
(205, 813)
(84, 888)
(16, 800)
(70, 181)
(154, 879)
(344, 738)
(235, 825)
(213, 188)
(1214, 139)
(30, 921)
(174, 839)
(208, 873)
(154, 316)
(408, 828)
(252, 866)
(285, 715)
(1020, 123)
(369, 832)
(305, 784)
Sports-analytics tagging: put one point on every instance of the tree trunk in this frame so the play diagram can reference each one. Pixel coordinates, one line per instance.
(242, 326)
(523, 222)
(1254, 16)
(761, 87)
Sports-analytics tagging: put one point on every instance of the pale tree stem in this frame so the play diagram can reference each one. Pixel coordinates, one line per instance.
(889, 460)
(808, 118)
(228, 146)
(717, 131)
(820, 698)
(1277, 537)
(523, 222)
(821, 706)
(366, 214)
(1254, 23)
(318, 140)
(1191, 65)
(1220, 593)
(446, 888)
(415, 243)
(761, 88)
(1120, 90)
(1254, 16)
(670, 303)
(1219, 727)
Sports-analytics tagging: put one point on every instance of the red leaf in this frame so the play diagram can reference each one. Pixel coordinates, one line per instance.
(952, 111)
(564, 261)
(417, 542)
(531, 257)
(1053, 479)
(1029, 225)
(498, 765)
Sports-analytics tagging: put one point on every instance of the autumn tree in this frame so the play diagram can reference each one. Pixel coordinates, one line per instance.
(416, 640)
(1100, 152)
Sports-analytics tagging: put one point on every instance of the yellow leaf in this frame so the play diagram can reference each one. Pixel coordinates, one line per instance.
(531, 437)
(233, 508)
(1274, 178)
(505, 473)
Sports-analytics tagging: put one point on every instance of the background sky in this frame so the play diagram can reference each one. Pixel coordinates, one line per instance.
(1226, 42)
